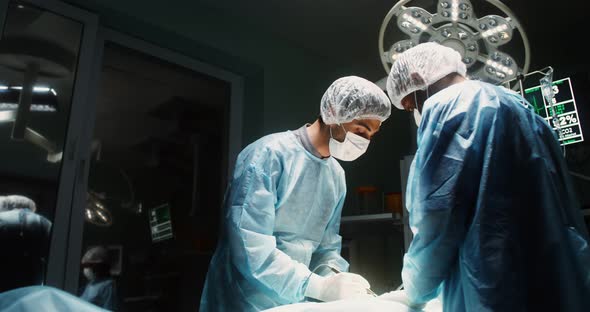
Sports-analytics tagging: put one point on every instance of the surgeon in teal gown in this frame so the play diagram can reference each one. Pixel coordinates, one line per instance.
(496, 224)
(280, 237)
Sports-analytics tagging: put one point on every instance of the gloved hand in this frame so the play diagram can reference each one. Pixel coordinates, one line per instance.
(402, 297)
(336, 287)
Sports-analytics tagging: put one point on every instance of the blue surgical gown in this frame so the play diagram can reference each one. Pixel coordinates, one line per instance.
(43, 298)
(496, 225)
(282, 218)
(25, 236)
(101, 293)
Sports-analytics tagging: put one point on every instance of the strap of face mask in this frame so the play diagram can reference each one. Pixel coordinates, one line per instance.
(416, 98)
(332, 137)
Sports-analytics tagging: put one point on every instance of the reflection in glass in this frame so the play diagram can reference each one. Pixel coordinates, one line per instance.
(155, 179)
(38, 60)
(25, 235)
(100, 286)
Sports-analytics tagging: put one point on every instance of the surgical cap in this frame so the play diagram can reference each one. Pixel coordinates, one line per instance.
(96, 255)
(16, 202)
(419, 67)
(352, 97)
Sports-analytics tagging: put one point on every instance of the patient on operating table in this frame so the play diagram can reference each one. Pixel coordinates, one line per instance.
(394, 301)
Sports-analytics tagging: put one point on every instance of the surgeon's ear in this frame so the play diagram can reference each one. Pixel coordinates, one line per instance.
(417, 80)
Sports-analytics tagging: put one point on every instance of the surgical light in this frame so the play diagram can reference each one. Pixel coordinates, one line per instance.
(34, 107)
(493, 31)
(414, 22)
(455, 10)
(44, 98)
(96, 212)
(455, 24)
(35, 89)
(500, 67)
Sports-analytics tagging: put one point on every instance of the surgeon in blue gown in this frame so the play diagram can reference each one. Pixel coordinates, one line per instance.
(496, 224)
(282, 210)
(100, 289)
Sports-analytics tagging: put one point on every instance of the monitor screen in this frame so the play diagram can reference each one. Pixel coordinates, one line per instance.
(161, 223)
(566, 112)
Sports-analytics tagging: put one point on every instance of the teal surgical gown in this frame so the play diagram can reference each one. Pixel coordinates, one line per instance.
(101, 293)
(43, 298)
(496, 224)
(281, 222)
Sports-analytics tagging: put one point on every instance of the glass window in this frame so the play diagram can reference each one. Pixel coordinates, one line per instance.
(38, 59)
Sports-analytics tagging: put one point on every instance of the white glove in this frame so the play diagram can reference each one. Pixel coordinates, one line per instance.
(336, 287)
(402, 297)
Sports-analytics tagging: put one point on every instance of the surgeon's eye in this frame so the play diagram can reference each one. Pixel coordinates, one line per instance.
(360, 131)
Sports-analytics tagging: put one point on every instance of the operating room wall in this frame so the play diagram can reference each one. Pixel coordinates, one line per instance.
(578, 155)
(292, 79)
(286, 83)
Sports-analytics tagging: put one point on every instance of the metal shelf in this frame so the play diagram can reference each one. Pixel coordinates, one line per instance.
(370, 224)
(370, 218)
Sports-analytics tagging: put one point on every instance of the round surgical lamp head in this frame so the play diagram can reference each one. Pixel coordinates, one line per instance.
(96, 210)
(455, 24)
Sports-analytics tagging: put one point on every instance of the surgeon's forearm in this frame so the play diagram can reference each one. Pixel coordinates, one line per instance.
(328, 254)
(261, 262)
(419, 291)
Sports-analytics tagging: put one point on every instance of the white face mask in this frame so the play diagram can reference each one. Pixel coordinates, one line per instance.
(417, 114)
(88, 273)
(351, 148)
(417, 117)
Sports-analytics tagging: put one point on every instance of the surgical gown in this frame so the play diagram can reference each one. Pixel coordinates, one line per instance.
(101, 293)
(282, 217)
(43, 298)
(24, 237)
(496, 225)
